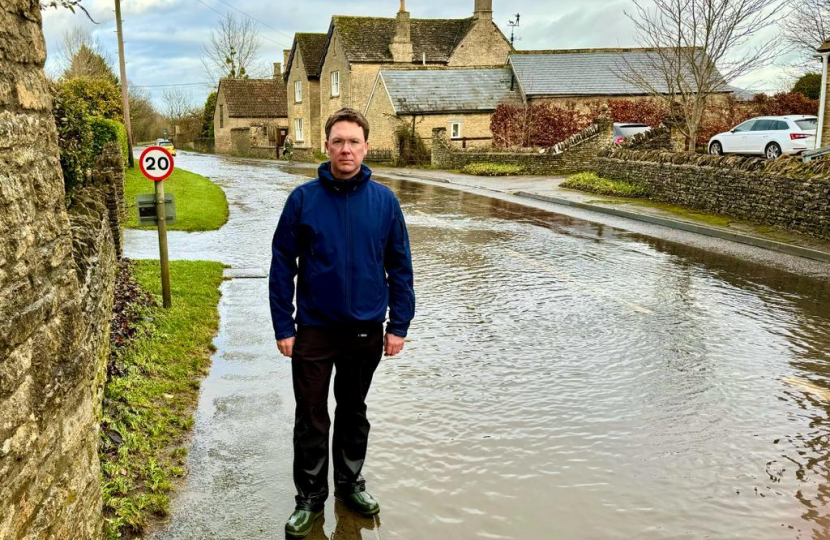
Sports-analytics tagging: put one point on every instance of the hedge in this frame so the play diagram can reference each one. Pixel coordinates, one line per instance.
(104, 131)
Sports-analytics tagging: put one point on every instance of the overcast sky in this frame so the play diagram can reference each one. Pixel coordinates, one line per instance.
(164, 38)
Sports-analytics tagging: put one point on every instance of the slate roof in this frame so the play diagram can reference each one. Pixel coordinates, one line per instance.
(825, 47)
(367, 39)
(312, 48)
(586, 72)
(255, 98)
(434, 91)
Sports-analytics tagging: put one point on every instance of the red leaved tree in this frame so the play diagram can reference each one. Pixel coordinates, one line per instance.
(535, 125)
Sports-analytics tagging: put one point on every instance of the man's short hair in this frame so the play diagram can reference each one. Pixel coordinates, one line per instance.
(348, 115)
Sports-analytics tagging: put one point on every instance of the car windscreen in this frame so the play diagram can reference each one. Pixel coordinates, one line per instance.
(807, 124)
(630, 129)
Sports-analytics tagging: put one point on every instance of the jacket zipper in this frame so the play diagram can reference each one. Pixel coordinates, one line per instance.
(348, 258)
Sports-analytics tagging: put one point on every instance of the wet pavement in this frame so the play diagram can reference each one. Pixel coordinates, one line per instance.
(565, 379)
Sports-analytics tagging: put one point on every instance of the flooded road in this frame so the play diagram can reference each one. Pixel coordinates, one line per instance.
(564, 380)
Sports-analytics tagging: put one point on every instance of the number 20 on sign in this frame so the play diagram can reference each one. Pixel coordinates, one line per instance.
(156, 163)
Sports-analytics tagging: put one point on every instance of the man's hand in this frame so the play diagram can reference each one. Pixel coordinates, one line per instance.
(286, 346)
(392, 344)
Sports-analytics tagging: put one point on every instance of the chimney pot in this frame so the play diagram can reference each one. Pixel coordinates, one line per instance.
(277, 70)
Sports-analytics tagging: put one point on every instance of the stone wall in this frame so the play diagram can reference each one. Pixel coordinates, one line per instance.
(784, 192)
(57, 270)
(577, 154)
(243, 144)
(308, 109)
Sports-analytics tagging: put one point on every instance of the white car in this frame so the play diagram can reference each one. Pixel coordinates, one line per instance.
(770, 136)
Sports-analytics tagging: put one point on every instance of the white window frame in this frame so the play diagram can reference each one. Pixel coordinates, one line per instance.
(298, 130)
(453, 124)
(335, 83)
(298, 91)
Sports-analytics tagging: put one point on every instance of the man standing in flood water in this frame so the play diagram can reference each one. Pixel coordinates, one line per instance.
(349, 236)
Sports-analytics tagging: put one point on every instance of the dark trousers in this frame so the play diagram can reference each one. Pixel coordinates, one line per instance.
(354, 353)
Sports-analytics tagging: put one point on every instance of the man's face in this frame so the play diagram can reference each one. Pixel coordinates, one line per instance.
(346, 147)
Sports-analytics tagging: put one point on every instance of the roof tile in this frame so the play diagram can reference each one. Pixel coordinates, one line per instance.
(255, 98)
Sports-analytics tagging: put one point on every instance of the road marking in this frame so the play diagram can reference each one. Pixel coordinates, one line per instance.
(590, 289)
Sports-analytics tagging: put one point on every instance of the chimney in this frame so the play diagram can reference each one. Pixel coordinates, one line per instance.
(277, 70)
(401, 46)
(285, 54)
(483, 10)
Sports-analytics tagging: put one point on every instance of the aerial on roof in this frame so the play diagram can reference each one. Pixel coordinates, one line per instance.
(255, 98)
(312, 48)
(367, 39)
(583, 72)
(432, 91)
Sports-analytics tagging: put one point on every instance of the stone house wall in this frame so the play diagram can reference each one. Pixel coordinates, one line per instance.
(57, 273)
(308, 109)
(484, 45)
(577, 154)
(223, 141)
(784, 192)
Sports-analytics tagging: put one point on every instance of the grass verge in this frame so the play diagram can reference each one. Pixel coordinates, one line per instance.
(201, 205)
(151, 391)
(592, 183)
(492, 169)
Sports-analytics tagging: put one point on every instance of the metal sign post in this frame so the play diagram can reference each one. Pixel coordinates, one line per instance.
(156, 163)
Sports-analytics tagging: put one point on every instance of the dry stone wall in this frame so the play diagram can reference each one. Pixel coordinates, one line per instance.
(57, 270)
(785, 192)
(577, 154)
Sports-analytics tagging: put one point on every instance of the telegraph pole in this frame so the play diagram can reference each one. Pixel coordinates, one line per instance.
(125, 96)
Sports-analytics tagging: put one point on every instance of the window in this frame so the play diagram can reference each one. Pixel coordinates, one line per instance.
(746, 126)
(807, 124)
(335, 83)
(298, 129)
(455, 130)
(764, 125)
(298, 91)
(781, 125)
(221, 116)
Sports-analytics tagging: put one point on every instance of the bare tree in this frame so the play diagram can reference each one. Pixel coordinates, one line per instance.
(178, 103)
(232, 50)
(807, 25)
(68, 4)
(81, 55)
(697, 47)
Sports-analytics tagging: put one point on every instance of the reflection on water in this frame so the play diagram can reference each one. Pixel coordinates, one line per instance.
(564, 380)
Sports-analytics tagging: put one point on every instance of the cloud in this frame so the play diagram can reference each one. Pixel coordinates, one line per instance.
(164, 37)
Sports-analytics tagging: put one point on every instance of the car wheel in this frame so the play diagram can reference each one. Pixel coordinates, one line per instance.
(716, 149)
(773, 151)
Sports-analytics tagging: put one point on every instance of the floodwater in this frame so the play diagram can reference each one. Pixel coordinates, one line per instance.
(564, 380)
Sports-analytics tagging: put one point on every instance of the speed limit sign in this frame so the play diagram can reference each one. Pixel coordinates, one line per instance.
(156, 163)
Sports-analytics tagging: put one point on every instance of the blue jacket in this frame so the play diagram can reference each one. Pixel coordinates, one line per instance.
(354, 259)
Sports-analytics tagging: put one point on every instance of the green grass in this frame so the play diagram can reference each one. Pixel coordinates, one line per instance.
(592, 183)
(149, 400)
(492, 169)
(200, 204)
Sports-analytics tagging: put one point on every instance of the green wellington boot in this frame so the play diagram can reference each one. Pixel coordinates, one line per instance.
(360, 502)
(299, 524)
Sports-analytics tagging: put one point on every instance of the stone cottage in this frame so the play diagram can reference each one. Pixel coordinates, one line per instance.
(357, 48)
(583, 76)
(458, 99)
(251, 115)
(823, 134)
(302, 78)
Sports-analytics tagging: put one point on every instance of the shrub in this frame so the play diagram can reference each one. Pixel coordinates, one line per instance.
(74, 139)
(592, 183)
(642, 111)
(542, 125)
(809, 86)
(411, 148)
(784, 103)
(492, 169)
(104, 131)
(101, 97)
